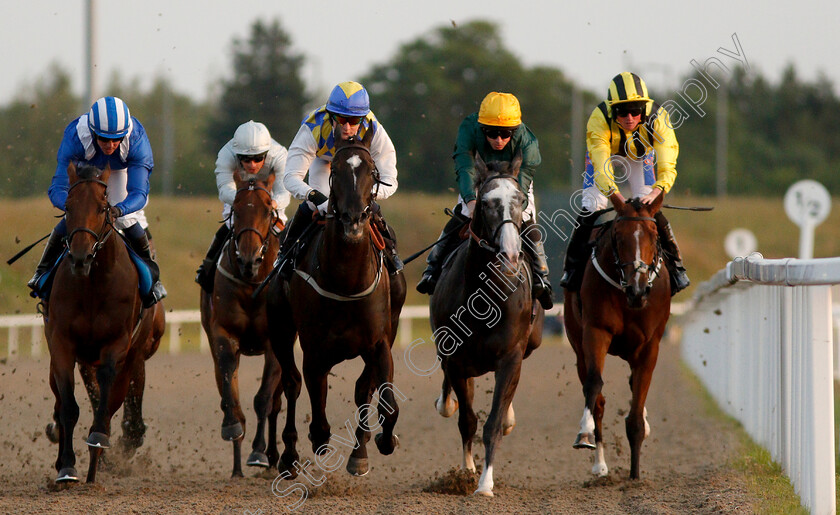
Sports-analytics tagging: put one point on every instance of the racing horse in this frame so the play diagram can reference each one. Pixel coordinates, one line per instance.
(483, 317)
(621, 309)
(236, 322)
(95, 317)
(343, 304)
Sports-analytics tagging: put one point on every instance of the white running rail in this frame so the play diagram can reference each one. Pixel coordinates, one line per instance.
(759, 336)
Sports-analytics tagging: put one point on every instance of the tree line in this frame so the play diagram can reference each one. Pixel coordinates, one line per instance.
(777, 133)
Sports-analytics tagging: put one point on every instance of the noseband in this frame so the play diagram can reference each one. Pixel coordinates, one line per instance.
(102, 236)
(482, 242)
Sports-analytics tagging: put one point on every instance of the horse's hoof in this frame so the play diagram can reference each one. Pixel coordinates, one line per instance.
(99, 440)
(257, 459)
(485, 493)
(600, 470)
(447, 408)
(383, 445)
(508, 430)
(67, 475)
(585, 441)
(358, 466)
(52, 432)
(232, 432)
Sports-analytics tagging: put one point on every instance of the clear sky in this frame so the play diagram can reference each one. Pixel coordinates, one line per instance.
(189, 41)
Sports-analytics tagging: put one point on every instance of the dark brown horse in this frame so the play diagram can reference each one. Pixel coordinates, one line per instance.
(95, 317)
(482, 314)
(621, 309)
(344, 304)
(236, 323)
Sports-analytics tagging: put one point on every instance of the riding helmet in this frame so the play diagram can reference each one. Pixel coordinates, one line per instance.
(500, 110)
(109, 118)
(349, 99)
(251, 138)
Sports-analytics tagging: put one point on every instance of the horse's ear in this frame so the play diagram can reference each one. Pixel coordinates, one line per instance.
(617, 203)
(105, 174)
(367, 139)
(71, 172)
(516, 163)
(657, 203)
(480, 168)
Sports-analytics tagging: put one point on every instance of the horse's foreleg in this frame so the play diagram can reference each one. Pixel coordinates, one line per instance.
(226, 356)
(467, 421)
(315, 376)
(263, 404)
(282, 336)
(357, 465)
(635, 423)
(590, 368)
(389, 411)
(272, 452)
(66, 413)
(507, 379)
(445, 404)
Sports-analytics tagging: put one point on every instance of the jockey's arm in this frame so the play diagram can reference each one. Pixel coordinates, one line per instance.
(667, 149)
(301, 154)
(464, 161)
(139, 167)
(71, 149)
(598, 145)
(280, 197)
(225, 166)
(385, 156)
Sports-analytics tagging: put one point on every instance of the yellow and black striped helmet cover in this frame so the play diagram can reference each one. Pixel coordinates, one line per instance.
(627, 87)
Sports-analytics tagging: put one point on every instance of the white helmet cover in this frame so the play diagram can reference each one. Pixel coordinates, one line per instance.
(251, 138)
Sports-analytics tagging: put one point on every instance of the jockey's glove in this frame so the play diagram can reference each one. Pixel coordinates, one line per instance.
(319, 199)
(115, 212)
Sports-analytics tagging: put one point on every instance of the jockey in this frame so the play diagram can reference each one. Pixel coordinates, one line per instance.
(251, 148)
(108, 136)
(495, 132)
(632, 133)
(346, 114)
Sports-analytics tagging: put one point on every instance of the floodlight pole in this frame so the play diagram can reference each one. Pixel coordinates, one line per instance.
(90, 53)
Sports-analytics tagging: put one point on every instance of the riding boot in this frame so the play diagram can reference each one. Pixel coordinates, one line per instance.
(434, 262)
(577, 252)
(539, 265)
(676, 270)
(286, 254)
(394, 263)
(207, 270)
(143, 249)
(51, 252)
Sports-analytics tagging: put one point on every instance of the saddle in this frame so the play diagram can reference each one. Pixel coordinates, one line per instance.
(144, 285)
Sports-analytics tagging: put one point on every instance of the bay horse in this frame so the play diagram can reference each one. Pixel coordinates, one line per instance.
(236, 322)
(483, 317)
(94, 316)
(343, 304)
(621, 309)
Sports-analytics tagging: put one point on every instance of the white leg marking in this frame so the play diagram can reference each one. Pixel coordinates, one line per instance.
(647, 426)
(509, 421)
(485, 482)
(587, 422)
(599, 466)
(468, 463)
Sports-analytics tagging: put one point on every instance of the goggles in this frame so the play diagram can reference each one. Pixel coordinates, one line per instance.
(109, 140)
(494, 133)
(251, 159)
(352, 120)
(621, 111)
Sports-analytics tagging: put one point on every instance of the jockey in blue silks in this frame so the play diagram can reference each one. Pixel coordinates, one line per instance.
(107, 136)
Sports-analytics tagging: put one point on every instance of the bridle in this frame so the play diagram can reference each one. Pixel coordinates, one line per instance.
(481, 241)
(374, 173)
(651, 270)
(100, 237)
(252, 186)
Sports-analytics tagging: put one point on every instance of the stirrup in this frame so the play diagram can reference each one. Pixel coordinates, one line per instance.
(157, 294)
(542, 292)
